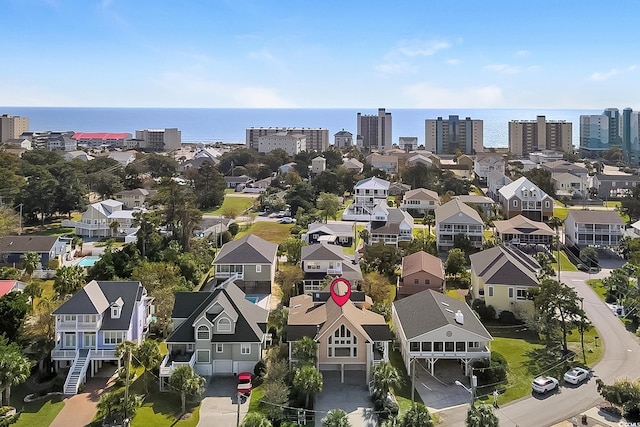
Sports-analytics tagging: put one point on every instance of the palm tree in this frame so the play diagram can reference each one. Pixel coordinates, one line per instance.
(255, 419)
(114, 225)
(429, 220)
(481, 416)
(278, 320)
(34, 290)
(307, 380)
(185, 381)
(14, 368)
(69, 280)
(305, 350)
(30, 262)
(385, 375)
(555, 222)
(336, 418)
(148, 356)
(417, 416)
(114, 402)
(123, 351)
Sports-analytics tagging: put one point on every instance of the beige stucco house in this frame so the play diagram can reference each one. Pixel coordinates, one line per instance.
(455, 217)
(350, 338)
(502, 277)
(421, 271)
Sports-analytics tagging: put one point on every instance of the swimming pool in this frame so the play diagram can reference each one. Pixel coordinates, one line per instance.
(252, 298)
(88, 261)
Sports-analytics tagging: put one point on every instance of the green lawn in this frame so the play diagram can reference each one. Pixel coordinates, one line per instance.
(565, 264)
(236, 204)
(598, 287)
(257, 394)
(560, 212)
(402, 391)
(271, 231)
(161, 410)
(613, 204)
(38, 413)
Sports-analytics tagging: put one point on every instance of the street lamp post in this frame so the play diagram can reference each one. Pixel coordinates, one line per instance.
(472, 390)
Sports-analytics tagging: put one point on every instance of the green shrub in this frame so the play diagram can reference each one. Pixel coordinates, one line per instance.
(508, 318)
(486, 312)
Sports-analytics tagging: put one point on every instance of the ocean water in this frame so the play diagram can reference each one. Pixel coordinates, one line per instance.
(229, 124)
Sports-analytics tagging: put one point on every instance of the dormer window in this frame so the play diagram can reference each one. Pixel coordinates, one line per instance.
(203, 332)
(116, 308)
(224, 325)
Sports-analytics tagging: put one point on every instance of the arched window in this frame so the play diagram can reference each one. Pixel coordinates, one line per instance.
(224, 325)
(342, 343)
(203, 332)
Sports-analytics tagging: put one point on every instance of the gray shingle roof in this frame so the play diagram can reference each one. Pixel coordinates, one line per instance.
(429, 310)
(20, 244)
(503, 265)
(455, 207)
(595, 217)
(249, 249)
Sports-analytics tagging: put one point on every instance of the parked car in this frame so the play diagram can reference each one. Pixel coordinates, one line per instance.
(594, 270)
(287, 220)
(583, 267)
(544, 384)
(576, 375)
(244, 383)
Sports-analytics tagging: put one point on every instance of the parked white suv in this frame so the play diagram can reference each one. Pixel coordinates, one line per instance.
(544, 384)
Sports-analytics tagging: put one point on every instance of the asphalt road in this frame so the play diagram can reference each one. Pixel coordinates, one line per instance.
(621, 359)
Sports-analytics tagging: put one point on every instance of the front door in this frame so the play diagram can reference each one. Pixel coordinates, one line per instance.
(89, 340)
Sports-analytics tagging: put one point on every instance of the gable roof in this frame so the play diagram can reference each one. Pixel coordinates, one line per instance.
(341, 230)
(630, 178)
(7, 286)
(421, 194)
(595, 217)
(422, 261)
(429, 310)
(322, 252)
(476, 199)
(250, 319)
(509, 190)
(505, 264)
(96, 298)
(106, 207)
(454, 207)
(395, 217)
(27, 243)
(373, 183)
(522, 225)
(249, 249)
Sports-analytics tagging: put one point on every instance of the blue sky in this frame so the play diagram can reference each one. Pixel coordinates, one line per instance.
(324, 54)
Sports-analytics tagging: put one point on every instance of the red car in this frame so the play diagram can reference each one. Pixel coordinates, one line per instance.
(244, 383)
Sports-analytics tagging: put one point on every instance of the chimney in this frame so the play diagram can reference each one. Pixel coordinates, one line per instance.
(459, 317)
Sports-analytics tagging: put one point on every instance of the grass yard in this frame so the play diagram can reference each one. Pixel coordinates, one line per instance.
(402, 391)
(560, 212)
(271, 231)
(613, 204)
(38, 413)
(257, 394)
(458, 294)
(161, 409)
(231, 203)
(598, 287)
(565, 264)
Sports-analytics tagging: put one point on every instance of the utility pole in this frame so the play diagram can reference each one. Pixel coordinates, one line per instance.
(558, 243)
(126, 388)
(238, 415)
(412, 365)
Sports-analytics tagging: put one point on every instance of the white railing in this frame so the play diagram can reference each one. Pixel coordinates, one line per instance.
(334, 270)
(229, 275)
(84, 225)
(65, 354)
(77, 325)
(166, 368)
(232, 278)
(480, 352)
(108, 354)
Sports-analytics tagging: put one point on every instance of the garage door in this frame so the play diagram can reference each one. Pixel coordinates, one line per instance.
(222, 367)
(246, 366)
(203, 369)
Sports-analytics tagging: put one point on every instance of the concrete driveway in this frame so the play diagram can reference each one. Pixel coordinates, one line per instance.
(219, 407)
(440, 392)
(352, 396)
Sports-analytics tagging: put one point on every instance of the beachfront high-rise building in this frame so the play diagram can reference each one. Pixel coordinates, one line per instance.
(631, 136)
(343, 139)
(317, 138)
(530, 136)
(374, 131)
(447, 136)
(11, 127)
(600, 132)
(291, 142)
(169, 139)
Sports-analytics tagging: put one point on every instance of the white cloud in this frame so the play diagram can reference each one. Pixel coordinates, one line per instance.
(599, 77)
(263, 55)
(414, 48)
(632, 67)
(427, 95)
(401, 67)
(454, 61)
(502, 68)
(522, 53)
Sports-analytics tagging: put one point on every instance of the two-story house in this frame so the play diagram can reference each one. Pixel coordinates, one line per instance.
(455, 217)
(568, 178)
(368, 194)
(386, 163)
(50, 248)
(420, 271)
(349, 337)
(520, 230)
(420, 159)
(135, 198)
(593, 228)
(219, 332)
(495, 181)
(98, 220)
(484, 203)
(323, 260)
(450, 331)
(396, 227)
(420, 201)
(251, 261)
(90, 325)
(523, 197)
(502, 277)
(337, 234)
(486, 163)
(614, 186)
(354, 165)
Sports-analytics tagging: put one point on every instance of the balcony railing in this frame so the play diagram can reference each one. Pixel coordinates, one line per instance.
(334, 270)
(473, 353)
(63, 354)
(169, 365)
(104, 354)
(75, 325)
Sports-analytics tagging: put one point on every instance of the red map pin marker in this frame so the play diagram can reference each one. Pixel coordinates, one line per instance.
(340, 299)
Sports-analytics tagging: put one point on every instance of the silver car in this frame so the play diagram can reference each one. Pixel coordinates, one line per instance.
(544, 384)
(576, 375)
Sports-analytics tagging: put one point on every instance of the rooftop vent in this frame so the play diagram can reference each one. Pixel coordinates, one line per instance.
(459, 317)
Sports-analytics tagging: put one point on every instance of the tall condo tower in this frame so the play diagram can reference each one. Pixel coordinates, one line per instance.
(374, 131)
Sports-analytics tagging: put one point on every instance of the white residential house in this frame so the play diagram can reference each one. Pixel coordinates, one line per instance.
(455, 218)
(495, 181)
(420, 201)
(368, 194)
(593, 228)
(321, 260)
(353, 165)
(567, 184)
(386, 163)
(397, 227)
(486, 163)
(97, 220)
(431, 326)
(318, 165)
(419, 159)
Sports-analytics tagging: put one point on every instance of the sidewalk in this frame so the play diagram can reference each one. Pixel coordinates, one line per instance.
(595, 418)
